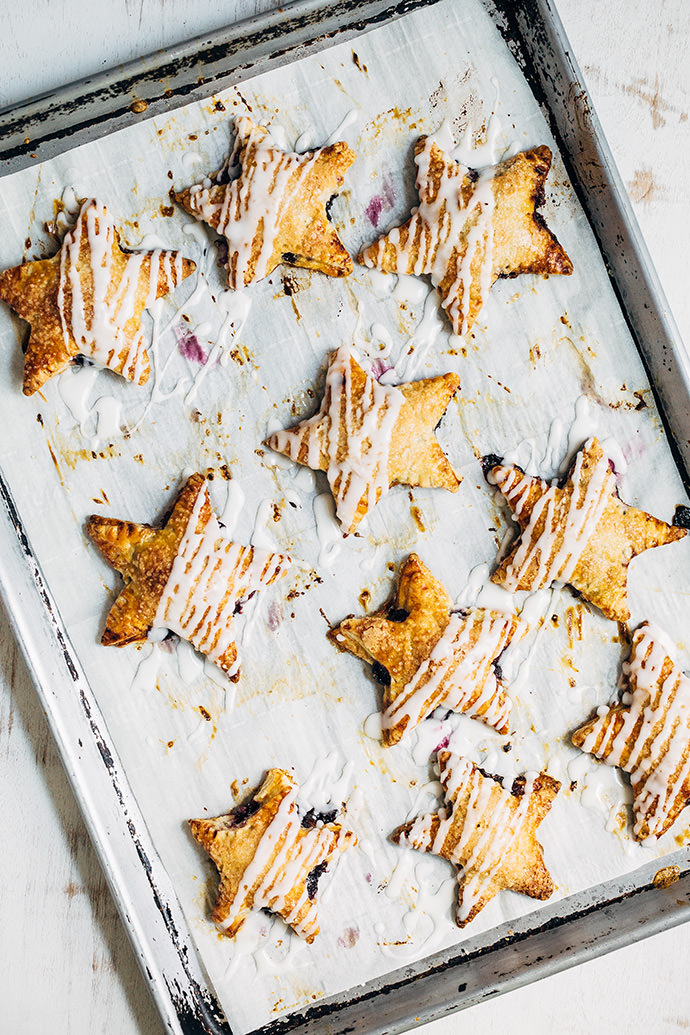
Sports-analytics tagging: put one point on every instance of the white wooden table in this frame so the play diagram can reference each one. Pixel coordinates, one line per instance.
(65, 961)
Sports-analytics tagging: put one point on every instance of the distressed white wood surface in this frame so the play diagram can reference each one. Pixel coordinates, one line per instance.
(65, 961)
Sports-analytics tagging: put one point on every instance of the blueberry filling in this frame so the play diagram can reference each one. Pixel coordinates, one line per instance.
(681, 518)
(242, 813)
(495, 776)
(381, 674)
(313, 878)
(398, 614)
(490, 461)
(311, 818)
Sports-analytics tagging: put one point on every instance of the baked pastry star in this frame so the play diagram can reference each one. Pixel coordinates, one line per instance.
(270, 857)
(368, 436)
(471, 228)
(185, 576)
(276, 210)
(488, 832)
(425, 655)
(648, 733)
(580, 533)
(88, 299)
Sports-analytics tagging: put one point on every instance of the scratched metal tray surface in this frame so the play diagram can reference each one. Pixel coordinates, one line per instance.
(559, 935)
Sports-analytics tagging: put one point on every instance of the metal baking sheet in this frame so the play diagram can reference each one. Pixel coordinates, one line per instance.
(522, 948)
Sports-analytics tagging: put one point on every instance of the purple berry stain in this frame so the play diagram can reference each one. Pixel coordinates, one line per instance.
(374, 209)
(381, 202)
(188, 344)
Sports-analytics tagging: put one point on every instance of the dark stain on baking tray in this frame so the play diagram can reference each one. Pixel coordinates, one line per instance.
(104, 103)
(196, 1009)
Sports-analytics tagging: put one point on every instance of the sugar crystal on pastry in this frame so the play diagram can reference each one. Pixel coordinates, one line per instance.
(271, 856)
(276, 209)
(471, 228)
(580, 533)
(368, 436)
(428, 656)
(185, 577)
(648, 733)
(88, 299)
(487, 832)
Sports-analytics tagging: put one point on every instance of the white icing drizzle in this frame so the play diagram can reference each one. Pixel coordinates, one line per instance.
(371, 727)
(147, 671)
(650, 739)
(96, 301)
(327, 530)
(75, 385)
(249, 211)
(426, 333)
(489, 814)
(329, 783)
(357, 468)
(459, 674)
(261, 537)
(450, 232)
(280, 859)
(350, 119)
(553, 541)
(210, 576)
(234, 501)
(407, 288)
(108, 411)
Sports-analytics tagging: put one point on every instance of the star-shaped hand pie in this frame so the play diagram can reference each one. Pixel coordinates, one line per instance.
(648, 734)
(487, 832)
(185, 577)
(276, 210)
(270, 857)
(472, 228)
(581, 533)
(426, 656)
(88, 299)
(368, 436)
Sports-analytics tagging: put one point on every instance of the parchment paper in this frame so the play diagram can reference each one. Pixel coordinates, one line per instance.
(549, 362)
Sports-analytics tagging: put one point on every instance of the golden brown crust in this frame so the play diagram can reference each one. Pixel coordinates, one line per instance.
(649, 736)
(399, 645)
(199, 602)
(33, 291)
(303, 235)
(414, 455)
(399, 640)
(491, 860)
(144, 556)
(293, 853)
(520, 240)
(620, 534)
